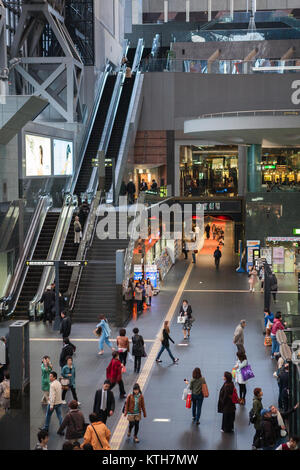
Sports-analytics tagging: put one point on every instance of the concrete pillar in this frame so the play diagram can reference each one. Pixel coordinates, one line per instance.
(137, 11)
(254, 168)
(166, 11)
(187, 10)
(208, 10)
(242, 170)
(231, 8)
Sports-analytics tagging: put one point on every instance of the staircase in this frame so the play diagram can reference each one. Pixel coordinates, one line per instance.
(95, 137)
(34, 273)
(69, 253)
(97, 289)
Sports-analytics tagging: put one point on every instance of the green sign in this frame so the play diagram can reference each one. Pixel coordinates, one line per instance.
(296, 231)
(269, 167)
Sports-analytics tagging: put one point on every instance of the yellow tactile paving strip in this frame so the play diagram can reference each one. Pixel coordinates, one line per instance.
(121, 428)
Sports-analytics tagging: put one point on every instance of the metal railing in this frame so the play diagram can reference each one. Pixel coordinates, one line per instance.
(55, 249)
(14, 289)
(223, 67)
(262, 112)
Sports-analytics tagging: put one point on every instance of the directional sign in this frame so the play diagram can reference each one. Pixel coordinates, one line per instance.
(67, 263)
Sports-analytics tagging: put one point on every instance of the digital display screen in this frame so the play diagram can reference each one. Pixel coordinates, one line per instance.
(38, 155)
(63, 157)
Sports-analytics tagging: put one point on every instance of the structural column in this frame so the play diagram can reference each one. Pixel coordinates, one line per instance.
(242, 170)
(254, 168)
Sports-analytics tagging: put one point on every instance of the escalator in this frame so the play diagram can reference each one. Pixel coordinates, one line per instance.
(34, 274)
(118, 129)
(95, 137)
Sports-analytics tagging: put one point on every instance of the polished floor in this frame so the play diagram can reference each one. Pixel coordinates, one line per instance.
(220, 299)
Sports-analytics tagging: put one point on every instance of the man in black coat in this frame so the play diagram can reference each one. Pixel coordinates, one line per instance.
(67, 350)
(104, 403)
(65, 326)
(48, 298)
(131, 191)
(217, 256)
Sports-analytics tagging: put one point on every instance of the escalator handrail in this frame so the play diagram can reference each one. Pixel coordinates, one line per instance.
(108, 127)
(138, 55)
(88, 131)
(85, 244)
(136, 92)
(17, 281)
(56, 247)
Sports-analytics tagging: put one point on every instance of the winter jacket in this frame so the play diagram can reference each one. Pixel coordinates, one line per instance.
(73, 421)
(166, 338)
(277, 325)
(137, 345)
(114, 371)
(66, 370)
(55, 393)
(48, 298)
(45, 377)
(188, 312)
(239, 378)
(238, 336)
(129, 405)
(65, 327)
(138, 293)
(67, 350)
(106, 331)
(269, 431)
(257, 407)
(225, 404)
(103, 433)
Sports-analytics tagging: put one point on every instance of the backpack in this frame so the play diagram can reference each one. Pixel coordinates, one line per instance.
(252, 416)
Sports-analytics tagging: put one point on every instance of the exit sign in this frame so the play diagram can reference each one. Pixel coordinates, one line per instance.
(296, 231)
(269, 167)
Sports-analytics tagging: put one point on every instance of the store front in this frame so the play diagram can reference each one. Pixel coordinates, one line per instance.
(151, 174)
(208, 170)
(281, 168)
(283, 254)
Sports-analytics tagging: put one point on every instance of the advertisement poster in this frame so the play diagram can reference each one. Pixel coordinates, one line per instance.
(138, 272)
(63, 157)
(38, 155)
(151, 273)
(278, 254)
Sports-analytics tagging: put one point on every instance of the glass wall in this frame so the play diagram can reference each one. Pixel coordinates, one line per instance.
(281, 169)
(209, 170)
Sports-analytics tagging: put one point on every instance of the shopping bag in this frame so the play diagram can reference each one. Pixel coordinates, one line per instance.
(130, 357)
(188, 403)
(268, 341)
(123, 370)
(235, 398)
(181, 319)
(233, 373)
(185, 393)
(247, 373)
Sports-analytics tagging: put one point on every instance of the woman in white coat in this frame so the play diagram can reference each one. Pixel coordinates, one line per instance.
(242, 362)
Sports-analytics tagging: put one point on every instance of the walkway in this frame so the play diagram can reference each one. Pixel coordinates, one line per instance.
(220, 299)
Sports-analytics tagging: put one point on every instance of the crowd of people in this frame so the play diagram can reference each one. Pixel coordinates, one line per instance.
(138, 294)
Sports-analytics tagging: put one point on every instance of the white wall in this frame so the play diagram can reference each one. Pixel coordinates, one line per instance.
(9, 170)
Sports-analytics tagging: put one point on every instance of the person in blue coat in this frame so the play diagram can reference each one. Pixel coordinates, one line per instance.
(105, 334)
(68, 372)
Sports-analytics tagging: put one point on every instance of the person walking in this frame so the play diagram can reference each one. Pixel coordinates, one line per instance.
(283, 384)
(55, 401)
(262, 278)
(270, 430)
(138, 349)
(77, 230)
(277, 325)
(65, 326)
(104, 402)
(68, 372)
(134, 406)
(184, 249)
(5, 392)
(186, 312)
(114, 373)
(241, 362)
(97, 434)
(165, 343)
(74, 422)
(48, 298)
(149, 292)
(131, 191)
(238, 336)
(207, 230)
(196, 387)
(226, 405)
(274, 286)
(257, 406)
(105, 334)
(128, 296)
(46, 367)
(139, 297)
(122, 346)
(252, 279)
(217, 256)
(84, 211)
(68, 350)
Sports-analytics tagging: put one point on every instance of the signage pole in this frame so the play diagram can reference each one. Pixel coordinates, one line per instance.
(56, 325)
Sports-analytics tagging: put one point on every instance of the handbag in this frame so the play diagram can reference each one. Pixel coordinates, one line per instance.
(132, 418)
(234, 398)
(123, 370)
(64, 383)
(181, 319)
(205, 391)
(98, 331)
(247, 373)
(188, 403)
(185, 393)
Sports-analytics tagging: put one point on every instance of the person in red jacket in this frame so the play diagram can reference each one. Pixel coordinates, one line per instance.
(277, 325)
(114, 374)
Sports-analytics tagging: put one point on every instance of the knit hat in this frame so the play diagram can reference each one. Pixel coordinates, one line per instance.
(264, 411)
